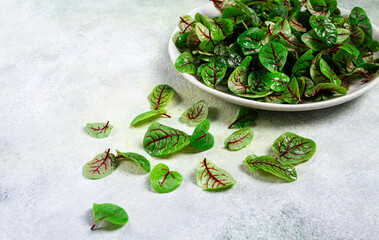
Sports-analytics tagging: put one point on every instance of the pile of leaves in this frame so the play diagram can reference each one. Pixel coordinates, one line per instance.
(278, 51)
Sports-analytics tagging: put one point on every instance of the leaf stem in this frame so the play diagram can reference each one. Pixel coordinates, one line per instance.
(244, 25)
(93, 226)
(166, 115)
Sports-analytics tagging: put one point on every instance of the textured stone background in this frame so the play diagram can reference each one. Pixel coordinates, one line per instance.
(66, 63)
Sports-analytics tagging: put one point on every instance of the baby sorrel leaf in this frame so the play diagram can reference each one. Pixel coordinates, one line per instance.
(99, 130)
(311, 39)
(316, 74)
(110, 213)
(201, 139)
(318, 8)
(255, 82)
(244, 117)
(237, 82)
(291, 94)
(135, 157)
(101, 166)
(329, 73)
(227, 56)
(303, 64)
(211, 177)
(184, 63)
(269, 164)
(161, 140)
(251, 38)
(297, 25)
(147, 115)
(325, 87)
(273, 56)
(325, 29)
(163, 180)
(186, 23)
(195, 114)
(160, 96)
(343, 35)
(276, 81)
(359, 18)
(239, 139)
(291, 148)
(213, 74)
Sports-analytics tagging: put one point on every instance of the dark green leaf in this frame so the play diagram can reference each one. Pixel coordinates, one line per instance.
(273, 56)
(316, 74)
(324, 29)
(311, 39)
(276, 81)
(329, 73)
(303, 64)
(325, 87)
(227, 56)
(251, 38)
(255, 82)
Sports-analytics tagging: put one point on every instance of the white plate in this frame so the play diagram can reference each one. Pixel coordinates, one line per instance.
(357, 88)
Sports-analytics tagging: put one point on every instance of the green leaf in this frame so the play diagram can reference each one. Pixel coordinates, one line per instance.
(357, 36)
(193, 41)
(349, 49)
(273, 56)
(255, 82)
(311, 39)
(211, 177)
(251, 38)
(329, 73)
(244, 117)
(147, 115)
(316, 74)
(201, 139)
(184, 63)
(235, 14)
(161, 140)
(101, 166)
(160, 96)
(237, 82)
(325, 87)
(99, 130)
(291, 94)
(180, 40)
(303, 64)
(324, 29)
(276, 81)
(212, 74)
(227, 56)
(359, 18)
(250, 13)
(291, 148)
(246, 62)
(110, 213)
(274, 98)
(135, 157)
(318, 8)
(269, 164)
(186, 23)
(239, 139)
(204, 20)
(225, 25)
(282, 26)
(297, 25)
(343, 35)
(278, 12)
(195, 114)
(163, 180)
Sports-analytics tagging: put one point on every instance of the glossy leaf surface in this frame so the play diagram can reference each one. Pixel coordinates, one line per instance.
(99, 130)
(161, 96)
(316, 74)
(311, 39)
(329, 73)
(101, 166)
(324, 29)
(255, 82)
(201, 139)
(292, 94)
(135, 157)
(212, 74)
(239, 139)
(211, 177)
(244, 117)
(109, 212)
(227, 56)
(273, 56)
(186, 23)
(163, 180)
(184, 63)
(147, 115)
(195, 114)
(325, 87)
(237, 82)
(303, 64)
(251, 38)
(276, 81)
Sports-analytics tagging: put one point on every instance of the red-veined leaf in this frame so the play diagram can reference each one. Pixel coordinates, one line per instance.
(99, 130)
(255, 82)
(237, 82)
(212, 74)
(359, 18)
(239, 139)
(251, 38)
(296, 25)
(291, 94)
(195, 114)
(186, 23)
(184, 63)
(221, 5)
(163, 180)
(324, 29)
(192, 40)
(328, 72)
(180, 40)
(273, 56)
(135, 157)
(291, 41)
(201, 139)
(343, 35)
(282, 26)
(244, 117)
(211, 177)
(149, 114)
(110, 213)
(312, 41)
(316, 74)
(276, 81)
(325, 87)
(227, 56)
(255, 20)
(235, 14)
(101, 166)
(318, 8)
(274, 98)
(161, 96)
(303, 64)
(357, 36)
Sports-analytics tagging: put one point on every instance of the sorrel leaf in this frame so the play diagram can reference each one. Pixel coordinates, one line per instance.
(161, 140)
(316, 74)
(184, 63)
(273, 56)
(359, 18)
(244, 117)
(276, 81)
(343, 35)
(311, 39)
(186, 23)
(274, 98)
(255, 82)
(329, 73)
(325, 87)
(303, 64)
(180, 40)
(195, 114)
(110, 213)
(227, 56)
(160, 96)
(349, 48)
(282, 26)
(99, 130)
(237, 82)
(292, 94)
(239, 139)
(163, 180)
(211, 177)
(292, 149)
(201, 139)
(212, 74)
(269, 164)
(296, 25)
(135, 157)
(318, 8)
(235, 14)
(251, 38)
(250, 13)
(324, 29)
(147, 115)
(102, 165)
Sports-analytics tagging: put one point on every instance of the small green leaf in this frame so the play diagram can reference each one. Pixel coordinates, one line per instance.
(226, 56)
(318, 8)
(195, 114)
(201, 139)
(235, 14)
(161, 140)
(137, 158)
(273, 56)
(246, 62)
(184, 63)
(163, 180)
(291, 94)
(250, 13)
(269, 164)
(239, 139)
(101, 166)
(180, 40)
(303, 64)
(329, 73)
(316, 74)
(161, 96)
(311, 39)
(343, 35)
(274, 98)
(276, 81)
(186, 23)
(147, 115)
(244, 117)
(212, 74)
(349, 48)
(357, 36)
(237, 82)
(324, 29)
(325, 87)
(255, 82)
(99, 130)
(211, 177)
(110, 213)
(296, 25)
(251, 38)
(282, 26)
(359, 18)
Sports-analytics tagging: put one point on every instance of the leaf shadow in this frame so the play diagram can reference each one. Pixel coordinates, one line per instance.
(149, 185)
(213, 113)
(86, 131)
(262, 175)
(104, 225)
(193, 176)
(130, 167)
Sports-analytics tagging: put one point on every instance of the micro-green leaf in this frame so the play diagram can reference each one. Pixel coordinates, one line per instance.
(99, 130)
(161, 96)
(239, 139)
(244, 117)
(273, 56)
(195, 114)
(184, 63)
(102, 165)
(135, 157)
(211, 177)
(109, 212)
(201, 139)
(146, 115)
(163, 180)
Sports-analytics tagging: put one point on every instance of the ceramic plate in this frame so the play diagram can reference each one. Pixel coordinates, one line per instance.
(357, 88)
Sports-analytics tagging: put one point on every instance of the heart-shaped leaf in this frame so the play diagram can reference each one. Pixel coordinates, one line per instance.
(251, 38)
(296, 25)
(291, 148)
(269, 164)
(201, 139)
(324, 29)
(325, 87)
(329, 73)
(227, 56)
(291, 94)
(273, 56)
(239, 139)
(303, 64)
(359, 18)
(186, 23)
(101, 166)
(343, 35)
(276, 81)
(316, 74)
(147, 115)
(110, 213)
(163, 180)
(161, 140)
(160, 96)
(99, 130)
(244, 117)
(255, 82)
(211, 177)
(135, 157)
(184, 63)
(311, 39)
(195, 114)
(213, 73)
(237, 82)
